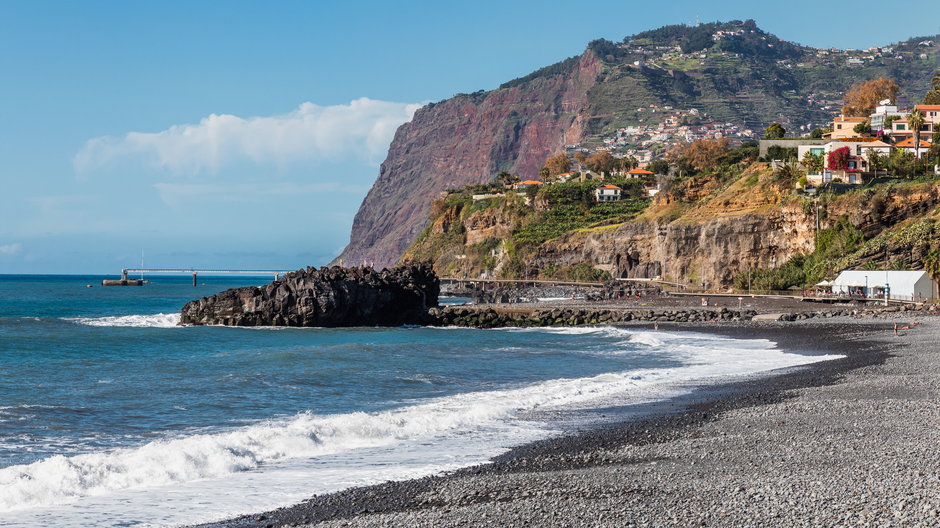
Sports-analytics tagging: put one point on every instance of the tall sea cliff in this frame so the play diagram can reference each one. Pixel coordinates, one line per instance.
(746, 77)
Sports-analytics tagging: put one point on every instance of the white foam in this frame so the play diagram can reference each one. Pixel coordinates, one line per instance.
(311, 453)
(160, 320)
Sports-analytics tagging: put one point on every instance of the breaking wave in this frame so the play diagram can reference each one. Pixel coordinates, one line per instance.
(160, 320)
(446, 421)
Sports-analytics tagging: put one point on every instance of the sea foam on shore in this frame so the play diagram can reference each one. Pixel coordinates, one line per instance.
(235, 470)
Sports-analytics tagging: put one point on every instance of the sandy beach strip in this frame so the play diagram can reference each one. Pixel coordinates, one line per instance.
(850, 442)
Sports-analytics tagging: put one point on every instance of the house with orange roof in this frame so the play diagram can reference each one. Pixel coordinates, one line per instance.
(918, 150)
(931, 114)
(901, 130)
(608, 193)
(639, 173)
(523, 185)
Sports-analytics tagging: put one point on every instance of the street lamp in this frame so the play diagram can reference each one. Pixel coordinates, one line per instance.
(887, 288)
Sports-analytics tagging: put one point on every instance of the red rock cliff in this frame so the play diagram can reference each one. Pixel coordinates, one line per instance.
(462, 141)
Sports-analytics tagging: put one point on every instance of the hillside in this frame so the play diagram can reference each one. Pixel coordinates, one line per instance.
(712, 229)
(730, 73)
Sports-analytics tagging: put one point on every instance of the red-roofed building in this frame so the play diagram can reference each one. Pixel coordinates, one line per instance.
(638, 173)
(526, 184)
(901, 130)
(908, 144)
(608, 193)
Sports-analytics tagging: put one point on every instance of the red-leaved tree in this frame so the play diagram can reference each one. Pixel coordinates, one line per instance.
(839, 159)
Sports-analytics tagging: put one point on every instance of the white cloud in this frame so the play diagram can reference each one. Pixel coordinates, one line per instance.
(10, 249)
(361, 129)
(180, 194)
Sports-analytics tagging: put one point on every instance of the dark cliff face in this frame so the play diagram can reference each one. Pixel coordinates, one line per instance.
(463, 141)
(750, 80)
(328, 297)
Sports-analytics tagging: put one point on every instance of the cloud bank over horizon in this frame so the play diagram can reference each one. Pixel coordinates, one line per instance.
(361, 130)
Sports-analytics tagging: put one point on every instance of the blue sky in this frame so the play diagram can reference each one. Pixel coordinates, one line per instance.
(245, 134)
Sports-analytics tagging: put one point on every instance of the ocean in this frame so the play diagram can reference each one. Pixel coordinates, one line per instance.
(112, 415)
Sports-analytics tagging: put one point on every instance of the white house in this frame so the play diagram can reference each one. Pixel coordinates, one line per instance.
(883, 111)
(608, 193)
(859, 151)
(902, 285)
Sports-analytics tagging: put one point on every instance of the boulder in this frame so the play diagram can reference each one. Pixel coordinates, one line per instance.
(327, 297)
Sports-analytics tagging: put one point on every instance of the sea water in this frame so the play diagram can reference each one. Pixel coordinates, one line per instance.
(112, 415)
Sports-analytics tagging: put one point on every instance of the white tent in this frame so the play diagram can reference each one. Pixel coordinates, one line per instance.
(902, 285)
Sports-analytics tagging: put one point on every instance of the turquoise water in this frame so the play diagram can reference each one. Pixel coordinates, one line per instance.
(102, 395)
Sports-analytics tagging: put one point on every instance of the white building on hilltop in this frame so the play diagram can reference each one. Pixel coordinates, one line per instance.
(902, 285)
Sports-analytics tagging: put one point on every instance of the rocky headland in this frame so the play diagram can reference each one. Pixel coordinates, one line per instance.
(325, 297)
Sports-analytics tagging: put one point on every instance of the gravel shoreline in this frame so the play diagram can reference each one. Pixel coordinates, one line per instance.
(848, 442)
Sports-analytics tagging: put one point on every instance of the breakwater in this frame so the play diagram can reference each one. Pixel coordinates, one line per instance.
(489, 317)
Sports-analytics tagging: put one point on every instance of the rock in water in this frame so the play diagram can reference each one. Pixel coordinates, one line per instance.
(330, 296)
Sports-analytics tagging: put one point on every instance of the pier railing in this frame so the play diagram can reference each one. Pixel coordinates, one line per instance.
(195, 272)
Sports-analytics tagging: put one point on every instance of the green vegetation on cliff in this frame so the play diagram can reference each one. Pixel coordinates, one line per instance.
(466, 236)
(559, 231)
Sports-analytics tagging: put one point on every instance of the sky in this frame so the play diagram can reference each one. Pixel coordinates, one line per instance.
(246, 134)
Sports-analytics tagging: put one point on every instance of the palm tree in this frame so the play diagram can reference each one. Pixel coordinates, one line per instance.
(932, 262)
(915, 120)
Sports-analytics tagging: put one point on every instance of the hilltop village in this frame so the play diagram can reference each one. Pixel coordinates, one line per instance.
(866, 140)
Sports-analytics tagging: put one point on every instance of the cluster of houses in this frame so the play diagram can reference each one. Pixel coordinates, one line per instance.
(604, 193)
(645, 141)
(889, 131)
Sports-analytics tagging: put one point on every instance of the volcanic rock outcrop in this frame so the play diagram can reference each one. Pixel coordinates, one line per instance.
(326, 297)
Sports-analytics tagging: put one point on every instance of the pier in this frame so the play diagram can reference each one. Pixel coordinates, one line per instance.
(194, 272)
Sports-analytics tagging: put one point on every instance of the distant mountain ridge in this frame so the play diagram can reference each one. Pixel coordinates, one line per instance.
(732, 71)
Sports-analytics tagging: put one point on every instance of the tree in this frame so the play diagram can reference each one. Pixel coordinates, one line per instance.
(579, 157)
(862, 98)
(628, 163)
(775, 152)
(775, 131)
(932, 263)
(812, 162)
(933, 96)
(700, 155)
(839, 159)
(659, 166)
(915, 120)
(902, 163)
(817, 133)
(863, 128)
(558, 164)
(506, 178)
(877, 161)
(544, 173)
(602, 161)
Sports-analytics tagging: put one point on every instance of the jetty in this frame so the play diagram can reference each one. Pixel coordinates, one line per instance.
(126, 281)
